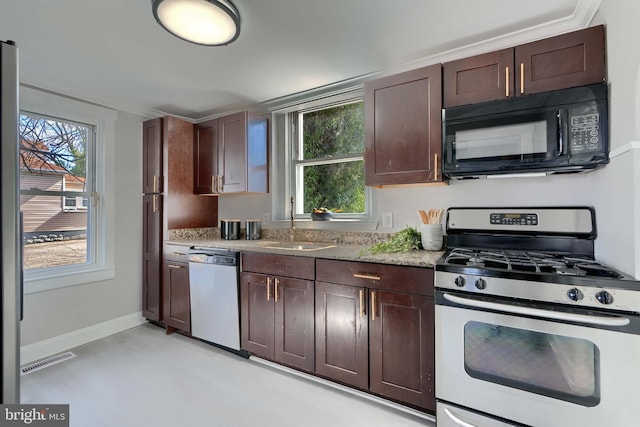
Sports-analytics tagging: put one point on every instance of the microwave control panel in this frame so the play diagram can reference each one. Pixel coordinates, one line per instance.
(584, 132)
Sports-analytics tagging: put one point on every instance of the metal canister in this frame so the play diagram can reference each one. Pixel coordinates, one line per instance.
(230, 229)
(253, 229)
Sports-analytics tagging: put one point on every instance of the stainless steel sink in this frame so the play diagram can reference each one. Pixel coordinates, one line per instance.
(299, 246)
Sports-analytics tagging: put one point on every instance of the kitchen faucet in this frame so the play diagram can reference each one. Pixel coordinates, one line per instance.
(292, 228)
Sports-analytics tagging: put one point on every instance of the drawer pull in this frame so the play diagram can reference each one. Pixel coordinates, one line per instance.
(366, 276)
(173, 266)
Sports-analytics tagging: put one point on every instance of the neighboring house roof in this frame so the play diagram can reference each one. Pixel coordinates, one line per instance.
(36, 158)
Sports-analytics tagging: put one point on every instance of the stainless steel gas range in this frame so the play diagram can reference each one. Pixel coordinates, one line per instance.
(530, 328)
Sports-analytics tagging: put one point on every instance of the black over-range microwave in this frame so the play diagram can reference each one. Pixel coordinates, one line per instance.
(560, 131)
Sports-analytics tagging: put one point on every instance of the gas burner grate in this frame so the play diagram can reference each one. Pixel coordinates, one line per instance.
(534, 262)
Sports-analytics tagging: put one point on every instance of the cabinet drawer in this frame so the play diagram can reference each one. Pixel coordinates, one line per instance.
(176, 253)
(279, 265)
(414, 280)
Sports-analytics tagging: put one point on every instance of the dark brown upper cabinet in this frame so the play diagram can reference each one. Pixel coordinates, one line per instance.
(569, 60)
(403, 142)
(231, 155)
(152, 175)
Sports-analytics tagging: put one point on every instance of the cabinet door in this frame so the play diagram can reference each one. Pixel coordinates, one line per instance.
(294, 338)
(342, 334)
(232, 152)
(257, 314)
(152, 256)
(401, 344)
(403, 128)
(568, 60)
(177, 307)
(205, 157)
(479, 78)
(152, 156)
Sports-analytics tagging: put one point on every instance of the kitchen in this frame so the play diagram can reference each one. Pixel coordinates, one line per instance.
(68, 316)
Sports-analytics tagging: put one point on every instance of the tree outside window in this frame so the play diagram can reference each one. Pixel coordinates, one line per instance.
(329, 165)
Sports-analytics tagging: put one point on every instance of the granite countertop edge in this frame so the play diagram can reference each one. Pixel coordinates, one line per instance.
(345, 252)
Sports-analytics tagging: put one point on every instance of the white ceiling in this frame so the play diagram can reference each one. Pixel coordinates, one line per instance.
(113, 53)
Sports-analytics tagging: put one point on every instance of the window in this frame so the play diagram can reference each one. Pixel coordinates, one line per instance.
(328, 160)
(55, 163)
(66, 190)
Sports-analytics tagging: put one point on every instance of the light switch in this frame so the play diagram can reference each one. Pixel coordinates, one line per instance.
(387, 220)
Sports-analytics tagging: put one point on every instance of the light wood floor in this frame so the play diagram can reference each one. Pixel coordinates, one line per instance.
(142, 377)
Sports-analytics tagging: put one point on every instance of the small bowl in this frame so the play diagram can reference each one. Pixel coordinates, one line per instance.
(321, 216)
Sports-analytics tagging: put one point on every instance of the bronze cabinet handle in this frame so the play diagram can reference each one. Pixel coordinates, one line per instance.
(155, 183)
(173, 266)
(363, 309)
(276, 288)
(373, 305)
(521, 78)
(366, 276)
(268, 288)
(506, 78)
(435, 161)
(155, 203)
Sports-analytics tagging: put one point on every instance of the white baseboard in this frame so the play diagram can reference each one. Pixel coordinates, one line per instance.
(39, 350)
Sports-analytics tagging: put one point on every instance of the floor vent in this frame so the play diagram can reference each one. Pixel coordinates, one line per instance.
(45, 363)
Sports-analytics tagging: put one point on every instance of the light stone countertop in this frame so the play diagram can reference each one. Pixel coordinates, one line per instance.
(347, 252)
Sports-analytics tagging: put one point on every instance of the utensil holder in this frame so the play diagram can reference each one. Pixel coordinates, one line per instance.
(431, 236)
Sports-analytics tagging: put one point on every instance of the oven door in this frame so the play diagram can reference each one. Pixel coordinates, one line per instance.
(536, 366)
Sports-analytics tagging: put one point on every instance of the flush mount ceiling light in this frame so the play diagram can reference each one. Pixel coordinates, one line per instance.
(205, 22)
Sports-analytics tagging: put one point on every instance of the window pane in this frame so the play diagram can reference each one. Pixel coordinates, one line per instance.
(53, 237)
(53, 153)
(333, 131)
(338, 187)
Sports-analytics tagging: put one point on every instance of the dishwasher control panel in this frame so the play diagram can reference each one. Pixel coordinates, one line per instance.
(213, 257)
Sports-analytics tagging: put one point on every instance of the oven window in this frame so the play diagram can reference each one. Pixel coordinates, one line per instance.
(551, 365)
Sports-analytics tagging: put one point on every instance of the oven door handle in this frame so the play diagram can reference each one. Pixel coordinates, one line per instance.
(571, 317)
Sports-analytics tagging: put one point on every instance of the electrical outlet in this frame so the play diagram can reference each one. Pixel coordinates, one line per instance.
(387, 220)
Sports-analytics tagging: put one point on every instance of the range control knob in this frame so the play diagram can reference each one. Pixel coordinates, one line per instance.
(604, 297)
(575, 294)
(460, 281)
(481, 283)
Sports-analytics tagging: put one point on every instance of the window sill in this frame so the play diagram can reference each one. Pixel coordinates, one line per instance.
(57, 280)
(334, 224)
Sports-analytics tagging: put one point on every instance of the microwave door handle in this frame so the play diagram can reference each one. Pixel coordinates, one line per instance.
(546, 314)
(560, 134)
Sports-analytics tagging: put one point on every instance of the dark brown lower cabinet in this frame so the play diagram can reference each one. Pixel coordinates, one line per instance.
(342, 334)
(152, 257)
(177, 307)
(401, 347)
(375, 329)
(277, 319)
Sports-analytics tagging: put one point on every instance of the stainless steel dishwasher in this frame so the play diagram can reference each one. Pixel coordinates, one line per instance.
(213, 282)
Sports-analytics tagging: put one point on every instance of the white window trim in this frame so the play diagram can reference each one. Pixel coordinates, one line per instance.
(102, 268)
(283, 173)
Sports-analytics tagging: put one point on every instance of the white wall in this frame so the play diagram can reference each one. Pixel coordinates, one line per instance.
(63, 311)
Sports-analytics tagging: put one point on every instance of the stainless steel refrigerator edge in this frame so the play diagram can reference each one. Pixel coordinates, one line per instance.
(11, 245)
